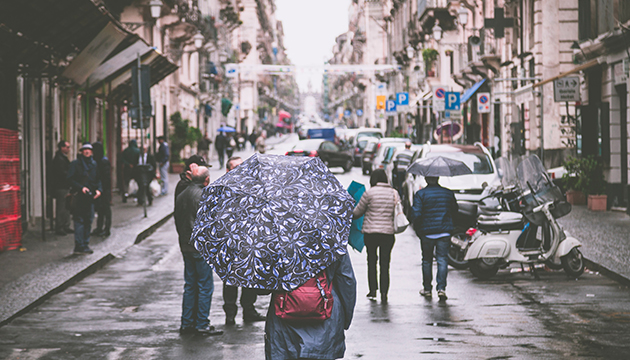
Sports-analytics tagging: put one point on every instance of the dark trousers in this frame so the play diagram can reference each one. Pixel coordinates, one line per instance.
(248, 298)
(62, 219)
(83, 216)
(104, 211)
(373, 242)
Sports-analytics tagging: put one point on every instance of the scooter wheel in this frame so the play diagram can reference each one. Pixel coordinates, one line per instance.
(485, 268)
(573, 263)
(456, 255)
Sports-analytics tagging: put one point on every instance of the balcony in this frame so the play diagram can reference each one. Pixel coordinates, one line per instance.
(431, 10)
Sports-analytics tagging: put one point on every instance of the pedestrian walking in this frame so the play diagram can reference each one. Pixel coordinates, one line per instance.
(231, 145)
(401, 162)
(86, 186)
(316, 340)
(252, 138)
(220, 143)
(130, 159)
(162, 158)
(145, 173)
(433, 209)
(60, 187)
(103, 203)
(203, 147)
(198, 280)
(230, 293)
(378, 204)
(261, 145)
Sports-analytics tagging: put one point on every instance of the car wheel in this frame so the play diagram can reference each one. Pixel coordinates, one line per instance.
(348, 166)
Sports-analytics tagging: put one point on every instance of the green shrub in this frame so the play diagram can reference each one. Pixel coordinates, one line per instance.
(585, 174)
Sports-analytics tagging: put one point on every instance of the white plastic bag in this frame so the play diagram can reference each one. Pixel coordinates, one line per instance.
(400, 219)
(155, 187)
(132, 189)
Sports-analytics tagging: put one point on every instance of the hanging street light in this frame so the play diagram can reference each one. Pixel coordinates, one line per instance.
(410, 51)
(462, 15)
(156, 8)
(198, 40)
(437, 32)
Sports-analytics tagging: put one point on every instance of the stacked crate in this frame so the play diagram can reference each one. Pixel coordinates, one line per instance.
(10, 212)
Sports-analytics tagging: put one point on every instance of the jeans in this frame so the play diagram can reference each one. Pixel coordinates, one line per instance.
(441, 247)
(198, 289)
(83, 216)
(373, 242)
(164, 177)
(248, 298)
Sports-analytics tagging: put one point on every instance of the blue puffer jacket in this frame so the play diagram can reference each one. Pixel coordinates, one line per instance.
(433, 210)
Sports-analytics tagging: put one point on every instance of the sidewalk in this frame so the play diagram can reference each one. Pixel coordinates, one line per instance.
(44, 268)
(605, 238)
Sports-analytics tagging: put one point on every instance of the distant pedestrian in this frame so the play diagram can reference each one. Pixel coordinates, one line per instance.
(103, 203)
(162, 157)
(84, 181)
(230, 293)
(433, 210)
(377, 204)
(252, 139)
(231, 146)
(220, 143)
(199, 283)
(145, 173)
(130, 159)
(401, 163)
(203, 147)
(261, 145)
(60, 187)
(320, 340)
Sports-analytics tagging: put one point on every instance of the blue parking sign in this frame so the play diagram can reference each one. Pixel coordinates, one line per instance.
(390, 106)
(402, 99)
(359, 112)
(451, 100)
(347, 113)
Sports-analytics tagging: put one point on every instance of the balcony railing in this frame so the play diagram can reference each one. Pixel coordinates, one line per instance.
(424, 5)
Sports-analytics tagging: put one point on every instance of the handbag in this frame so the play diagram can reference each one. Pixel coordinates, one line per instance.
(400, 219)
(310, 302)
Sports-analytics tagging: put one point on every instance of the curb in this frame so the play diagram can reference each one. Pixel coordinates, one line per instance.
(607, 272)
(89, 270)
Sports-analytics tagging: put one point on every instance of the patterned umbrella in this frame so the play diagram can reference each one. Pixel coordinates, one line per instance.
(273, 222)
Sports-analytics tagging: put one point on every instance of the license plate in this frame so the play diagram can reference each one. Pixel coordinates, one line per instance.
(458, 242)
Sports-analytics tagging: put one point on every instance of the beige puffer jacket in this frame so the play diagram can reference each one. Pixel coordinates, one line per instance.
(377, 204)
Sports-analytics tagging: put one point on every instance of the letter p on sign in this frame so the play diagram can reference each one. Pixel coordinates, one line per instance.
(452, 101)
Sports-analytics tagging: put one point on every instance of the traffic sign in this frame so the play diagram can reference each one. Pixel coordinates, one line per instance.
(402, 99)
(231, 70)
(483, 102)
(347, 113)
(381, 88)
(453, 114)
(567, 89)
(380, 102)
(439, 92)
(390, 107)
(452, 101)
(359, 112)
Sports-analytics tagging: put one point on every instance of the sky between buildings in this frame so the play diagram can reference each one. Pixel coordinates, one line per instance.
(310, 29)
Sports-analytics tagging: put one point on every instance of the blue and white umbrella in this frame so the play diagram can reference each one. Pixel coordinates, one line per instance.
(226, 129)
(273, 222)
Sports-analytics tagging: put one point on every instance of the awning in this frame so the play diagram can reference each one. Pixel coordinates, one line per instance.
(119, 62)
(471, 91)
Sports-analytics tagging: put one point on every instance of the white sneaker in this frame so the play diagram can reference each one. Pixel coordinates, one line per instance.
(442, 295)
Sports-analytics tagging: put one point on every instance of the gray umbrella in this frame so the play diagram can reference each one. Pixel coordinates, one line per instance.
(438, 166)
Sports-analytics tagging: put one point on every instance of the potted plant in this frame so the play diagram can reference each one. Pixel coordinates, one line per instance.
(594, 184)
(571, 181)
(182, 135)
(429, 56)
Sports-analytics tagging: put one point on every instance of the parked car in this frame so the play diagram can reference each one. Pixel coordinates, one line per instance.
(382, 155)
(466, 187)
(331, 154)
(368, 155)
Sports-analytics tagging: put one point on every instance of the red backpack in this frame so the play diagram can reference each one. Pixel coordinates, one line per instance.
(310, 302)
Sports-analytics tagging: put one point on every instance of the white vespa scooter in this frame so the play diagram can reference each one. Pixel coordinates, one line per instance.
(532, 236)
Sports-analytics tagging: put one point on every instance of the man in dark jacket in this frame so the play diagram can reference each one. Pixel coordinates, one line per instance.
(130, 158)
(103, 203)
(163, 162)
(199, 284)
(144, 174)
(185, 178)
(220, 143)
(230, 293)
(433, 210)
(60, 187)
(85, 184)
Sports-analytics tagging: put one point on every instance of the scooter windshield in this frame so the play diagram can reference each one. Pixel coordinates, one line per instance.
(537, 187)
(507, 172)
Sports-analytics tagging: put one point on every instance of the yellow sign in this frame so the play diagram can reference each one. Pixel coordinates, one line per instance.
(380, 102)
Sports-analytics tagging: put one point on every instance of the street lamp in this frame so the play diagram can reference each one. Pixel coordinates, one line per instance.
(156, 8)
(462, 15)
(410, 51)
(437, 32)
(198, 40)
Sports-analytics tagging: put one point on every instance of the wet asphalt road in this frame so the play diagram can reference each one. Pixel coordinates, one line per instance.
(131, 308)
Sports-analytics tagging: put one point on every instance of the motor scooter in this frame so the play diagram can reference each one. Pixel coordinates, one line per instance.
(531, 236)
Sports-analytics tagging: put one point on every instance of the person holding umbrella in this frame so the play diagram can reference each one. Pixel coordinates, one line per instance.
(433, 210)
(377, 204)
(199, 284)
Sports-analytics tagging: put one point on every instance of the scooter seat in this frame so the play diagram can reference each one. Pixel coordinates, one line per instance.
(505, 220)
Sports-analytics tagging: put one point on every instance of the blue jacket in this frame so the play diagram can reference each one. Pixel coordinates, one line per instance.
(325, 340)
(433, 210)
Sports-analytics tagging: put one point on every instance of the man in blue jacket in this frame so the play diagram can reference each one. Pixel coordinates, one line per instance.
(433, 211)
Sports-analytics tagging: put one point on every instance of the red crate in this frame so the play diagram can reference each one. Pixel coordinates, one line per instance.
(9, 201)
(9, 172)
(9, 144)
(10, 233)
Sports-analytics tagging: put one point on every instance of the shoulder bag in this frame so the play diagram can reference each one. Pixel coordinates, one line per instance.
(400, 219)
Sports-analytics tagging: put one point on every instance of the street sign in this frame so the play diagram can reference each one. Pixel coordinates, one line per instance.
(231, 70)
(359, 112)
(347, 113)
(483, 102)
(390, 107)
(453, 114)
(452, 101)
(380, 102)
(381, 88)
(567, 89)
(402, 99)
(439, 94)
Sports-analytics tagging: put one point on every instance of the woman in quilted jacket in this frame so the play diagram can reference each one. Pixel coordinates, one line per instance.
(378, 204)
